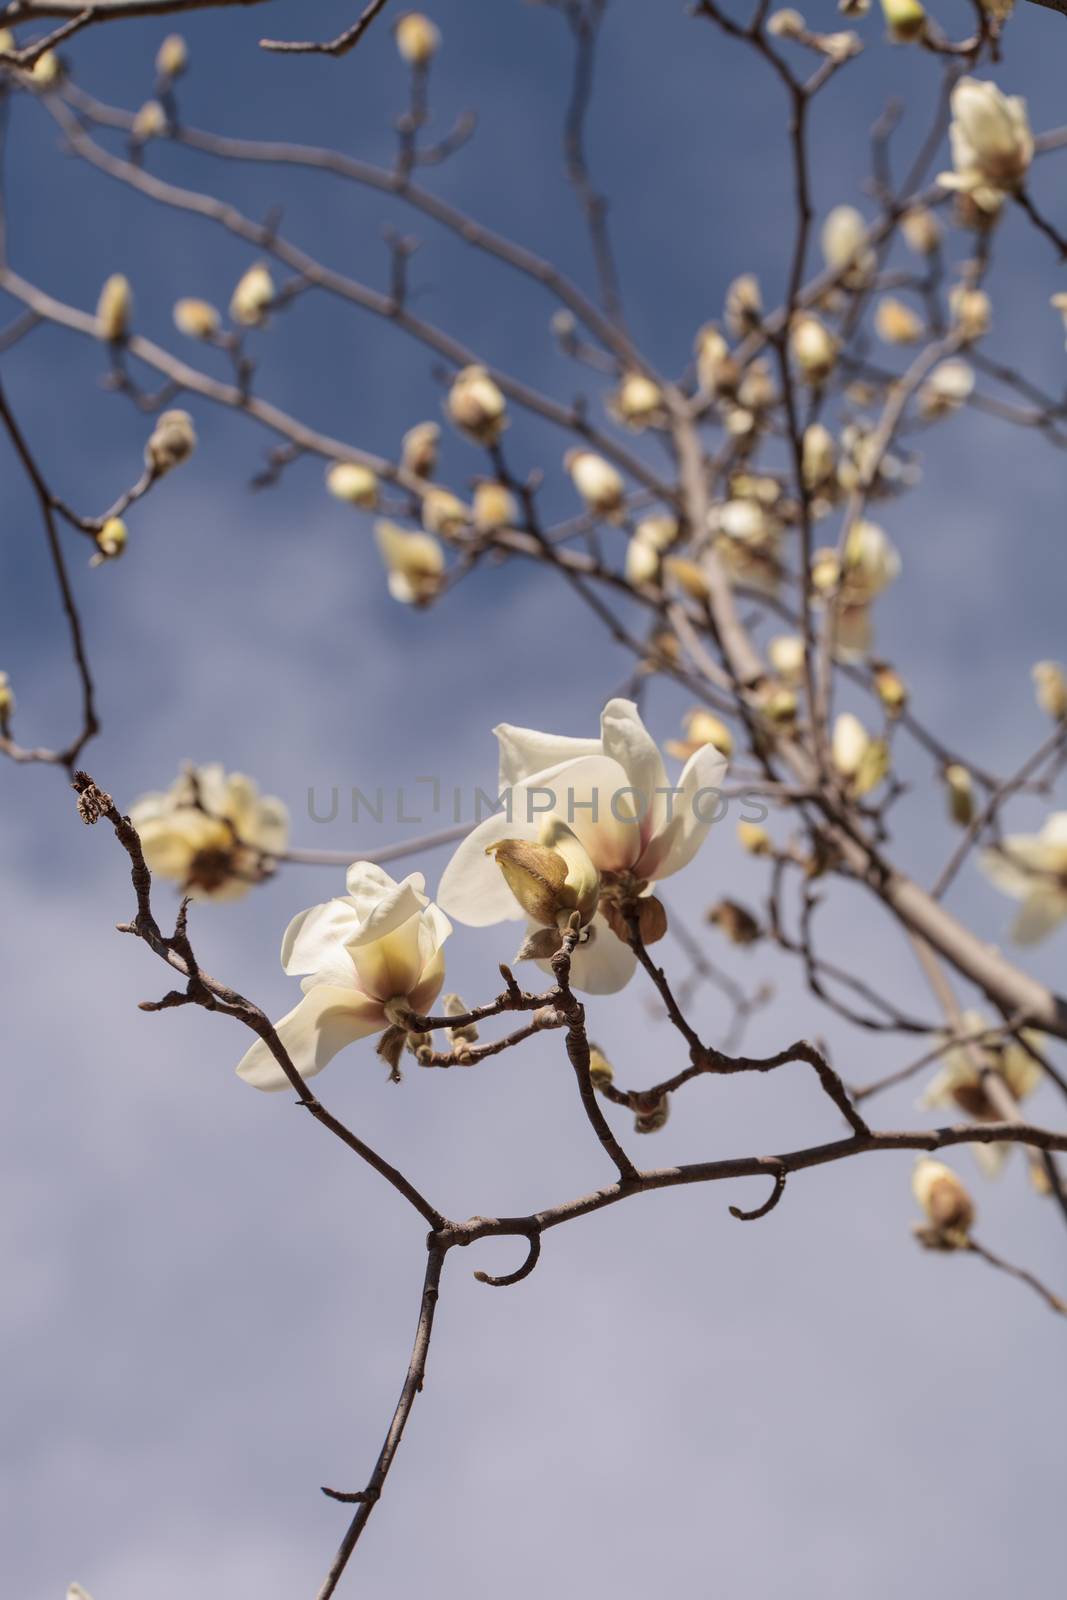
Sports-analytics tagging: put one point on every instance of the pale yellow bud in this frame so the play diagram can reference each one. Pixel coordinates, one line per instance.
(476, 405)
(417, 39)
(850, 744)
(689, 577)
(946, 389)
(1059, 302)
(755, 839)
(7, 699)
(637, 401)
(744, 304)
(197, 319)
(785, 652)
(786, 24)
(600, 1068)
(960, 787)
(444, 513)
(114, 309)
(642, 561)
(921, 230)
(597, 481)
(1050, 688)
(972, 311)
(467, 1032)
(716, 369)
(418, 449)
(252, 297)
(110, 541)
(840, 46)
(756, 389)
(414, 563)
(701, 728)
(46, 70)
(891, 689)
(494, 507)
(659, 532)
(854, 8)
(353, 483)
(906, 19)
(172, 57)
(735, 921)
(818, 455)
(814, 348)
(7, 41)
(825, 570)
(942, 1195)
(843, 240)
(743, 519)
(172, 441)
(779, 705)
(897, 323)
(150, 122)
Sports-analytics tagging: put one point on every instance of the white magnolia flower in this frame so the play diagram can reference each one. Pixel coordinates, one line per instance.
(364, 953)
(958, 1086)
(992, 146)
(613, 793)
(1032, 867)
(209, 832)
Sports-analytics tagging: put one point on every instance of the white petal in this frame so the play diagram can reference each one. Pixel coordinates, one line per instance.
(603, 964)
(693, 810)
(1039, 916)
(324, 1022)
(314, 936)
(524, 751)
(472, 888)
(381, 905)
(390, 967)
(627, 741)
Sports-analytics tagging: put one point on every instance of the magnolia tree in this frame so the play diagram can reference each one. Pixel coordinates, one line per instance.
(722, 527)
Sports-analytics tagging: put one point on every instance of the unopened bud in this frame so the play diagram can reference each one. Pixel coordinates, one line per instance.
(172, 441)
(549, 879)
(891, 689)
(252, 297)
(637, 401)
(414, 563)
(493, 506)
(755, 839)
(197, 319)
(825, 570)
(417, 39)
(814, 348)
(444, 513)
(598, 483)
(786, 655)
(650, 1113)
(960, 787)
(850, 744)
(716, 370)
(946, 389)
(818, 455)
(172, 57)
(600, 1069)
(418, 449)
(921, 231)
(701, 728)
(738, 924)
(355, 484)
(467, 1032)
(1050, 689)
(906, 19)
(690, 578)
(897, 323)
(642, 561)
(477, 406)
(744, 305)
(114, 309)
(786, 24)
(46, 70)
(149, 123)
(110, 541)
(943, 1196)
(972, 312)
(7, 699)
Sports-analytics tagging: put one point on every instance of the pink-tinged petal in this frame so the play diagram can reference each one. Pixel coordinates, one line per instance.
(524, 752)
(325, 1021)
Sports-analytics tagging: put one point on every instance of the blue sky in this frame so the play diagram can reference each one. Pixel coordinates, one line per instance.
(209, 1302)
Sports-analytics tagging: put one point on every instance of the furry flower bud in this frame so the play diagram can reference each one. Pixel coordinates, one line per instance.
(942, 1195)
(418, 449)
(114, 309)
(197, 319)
(476, 405)
(252, 297)
(172, 441)
(357, 485)
(1050, 689)
(598, 483)
(905, 19)
(172, 57)
(414, 563)
(493, 506)
(417, 39)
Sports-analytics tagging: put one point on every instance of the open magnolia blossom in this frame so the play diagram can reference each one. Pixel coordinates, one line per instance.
(210, 832)
(958, 1085)
(1032, 867)
(368, 957)
(992, 146)
(613, 798)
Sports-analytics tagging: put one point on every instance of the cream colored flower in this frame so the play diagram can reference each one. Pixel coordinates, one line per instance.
(114, 309)
(197, 319)
(252, 297)
(613, 794)
(210, 831)
(172, 441)
(414, 563)
(598, 483)
(477, 406)
(417, 39)
(357, 485)
(368, 957)
(992, 146)
(1032, 867)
